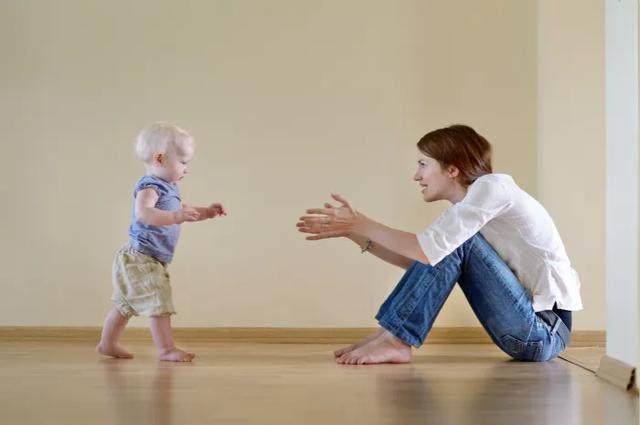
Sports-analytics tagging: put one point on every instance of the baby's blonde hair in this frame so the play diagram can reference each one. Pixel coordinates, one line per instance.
(157, 138)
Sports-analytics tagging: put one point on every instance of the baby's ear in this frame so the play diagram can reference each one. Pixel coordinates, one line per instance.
(158, 158)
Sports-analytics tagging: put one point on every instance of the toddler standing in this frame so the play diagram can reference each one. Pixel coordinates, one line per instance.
(140, 278)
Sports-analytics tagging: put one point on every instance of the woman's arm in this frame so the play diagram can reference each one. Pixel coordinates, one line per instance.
(381, 252)
(401, 243)
(396, 246)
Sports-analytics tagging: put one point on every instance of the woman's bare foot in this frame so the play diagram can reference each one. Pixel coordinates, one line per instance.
(175, 355)
(352, 347)
(386, 348)
(114, 351)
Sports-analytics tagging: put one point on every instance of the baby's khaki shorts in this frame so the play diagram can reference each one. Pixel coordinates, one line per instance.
(140, 285)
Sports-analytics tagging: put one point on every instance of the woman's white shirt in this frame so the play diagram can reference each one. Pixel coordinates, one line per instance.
(521, 232)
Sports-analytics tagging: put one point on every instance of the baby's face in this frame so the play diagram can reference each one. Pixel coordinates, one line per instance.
(175, 160)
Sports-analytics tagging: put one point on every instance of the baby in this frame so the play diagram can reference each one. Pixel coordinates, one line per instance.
(140, 278)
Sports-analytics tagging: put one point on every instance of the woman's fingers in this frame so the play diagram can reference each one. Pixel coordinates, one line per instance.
(316, 232)
(316, 218)
(302, 226)
(340, 199)
(324, 220)
(343, 201)
(328, 222)
(330, 209)
(327, 235)
(323, 211)
(320, 225)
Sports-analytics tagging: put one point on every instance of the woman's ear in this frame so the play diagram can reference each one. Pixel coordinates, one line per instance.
(453, 171)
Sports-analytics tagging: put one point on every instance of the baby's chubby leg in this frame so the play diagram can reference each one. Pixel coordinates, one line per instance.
(167, 351)
(114, 325)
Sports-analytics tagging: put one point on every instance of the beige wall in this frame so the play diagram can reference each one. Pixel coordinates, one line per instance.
(288, 101)
(571, 167)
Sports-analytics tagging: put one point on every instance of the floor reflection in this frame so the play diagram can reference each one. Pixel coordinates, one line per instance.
(130, 405)
(487, 393)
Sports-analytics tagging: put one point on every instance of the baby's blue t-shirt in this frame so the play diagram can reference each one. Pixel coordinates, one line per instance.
(158, 242)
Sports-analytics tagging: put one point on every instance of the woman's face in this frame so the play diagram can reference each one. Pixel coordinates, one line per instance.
(436, 182)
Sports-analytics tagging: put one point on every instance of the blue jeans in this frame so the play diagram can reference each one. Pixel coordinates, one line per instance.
(500, 302)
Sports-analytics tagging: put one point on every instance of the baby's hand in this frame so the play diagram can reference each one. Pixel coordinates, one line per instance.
(186, 213)
(216, 210)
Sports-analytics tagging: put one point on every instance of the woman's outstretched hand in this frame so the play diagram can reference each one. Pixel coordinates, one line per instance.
(330, 221)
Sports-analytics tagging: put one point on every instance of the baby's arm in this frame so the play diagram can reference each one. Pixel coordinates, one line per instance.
(211, 211)
(147, 214)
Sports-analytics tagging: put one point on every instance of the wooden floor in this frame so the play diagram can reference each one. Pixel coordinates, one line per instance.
(586, 357)
(241, 383)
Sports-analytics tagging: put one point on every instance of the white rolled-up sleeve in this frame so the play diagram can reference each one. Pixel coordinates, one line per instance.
(485, 199)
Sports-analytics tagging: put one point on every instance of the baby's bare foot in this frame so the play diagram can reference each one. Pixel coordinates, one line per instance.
(175, 355)
(114, 351)
(386, 348)
(352, 347)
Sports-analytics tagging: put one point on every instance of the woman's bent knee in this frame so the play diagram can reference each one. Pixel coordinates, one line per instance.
(531, 351)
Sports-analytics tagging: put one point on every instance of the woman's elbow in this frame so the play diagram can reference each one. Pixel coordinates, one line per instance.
(405, 263)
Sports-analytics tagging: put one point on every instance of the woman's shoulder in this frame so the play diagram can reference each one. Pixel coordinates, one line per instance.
(493, 182)
(491, 189)
(495, 178)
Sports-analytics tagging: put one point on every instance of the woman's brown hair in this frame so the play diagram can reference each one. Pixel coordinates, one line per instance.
(461, 146)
